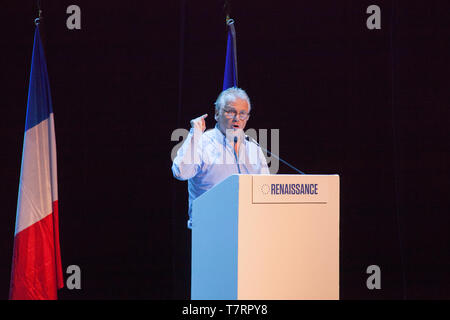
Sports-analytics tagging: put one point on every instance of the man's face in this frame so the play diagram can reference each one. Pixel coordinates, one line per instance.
(233, 116)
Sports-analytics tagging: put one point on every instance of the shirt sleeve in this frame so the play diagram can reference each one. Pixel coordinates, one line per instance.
(188, 160)
(264, 169)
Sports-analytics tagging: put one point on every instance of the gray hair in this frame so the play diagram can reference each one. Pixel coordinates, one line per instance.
(230, 95)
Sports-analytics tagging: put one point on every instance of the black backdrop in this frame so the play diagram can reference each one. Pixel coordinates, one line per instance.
(372, 106)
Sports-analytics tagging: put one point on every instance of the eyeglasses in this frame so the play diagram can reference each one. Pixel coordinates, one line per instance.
(231, 114)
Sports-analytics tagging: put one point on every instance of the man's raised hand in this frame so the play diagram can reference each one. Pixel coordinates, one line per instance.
(199, 123)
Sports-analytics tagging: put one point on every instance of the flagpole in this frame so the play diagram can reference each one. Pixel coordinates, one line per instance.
(38, 23)
(39, 18)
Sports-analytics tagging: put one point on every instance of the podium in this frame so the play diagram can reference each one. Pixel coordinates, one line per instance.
(267, 237)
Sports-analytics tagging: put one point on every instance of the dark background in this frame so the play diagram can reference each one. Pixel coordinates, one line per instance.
(370, 105)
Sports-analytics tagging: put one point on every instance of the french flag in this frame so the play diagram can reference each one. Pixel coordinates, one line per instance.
(36, 265)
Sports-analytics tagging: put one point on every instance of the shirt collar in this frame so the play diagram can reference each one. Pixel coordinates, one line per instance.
(221, 137)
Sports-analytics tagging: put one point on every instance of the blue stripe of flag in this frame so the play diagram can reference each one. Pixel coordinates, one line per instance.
(39, 99)
(230, 74)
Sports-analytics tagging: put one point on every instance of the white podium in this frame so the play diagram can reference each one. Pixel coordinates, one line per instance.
(267, 237)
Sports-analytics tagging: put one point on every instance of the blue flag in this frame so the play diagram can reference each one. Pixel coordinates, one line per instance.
(230, 77)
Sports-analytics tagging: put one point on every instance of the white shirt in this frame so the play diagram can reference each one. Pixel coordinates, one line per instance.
(205, 159)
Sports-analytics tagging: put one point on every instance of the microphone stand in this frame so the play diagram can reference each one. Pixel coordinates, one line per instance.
(248, 138)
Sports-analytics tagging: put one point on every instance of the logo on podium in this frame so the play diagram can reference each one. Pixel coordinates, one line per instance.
(265, 188)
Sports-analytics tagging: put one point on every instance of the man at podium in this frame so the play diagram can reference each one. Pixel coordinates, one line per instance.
(207, 158)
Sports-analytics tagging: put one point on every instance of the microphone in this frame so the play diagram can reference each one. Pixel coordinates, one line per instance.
(248, 138)
(235, 155)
